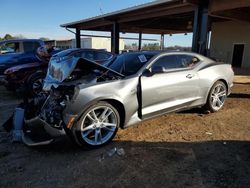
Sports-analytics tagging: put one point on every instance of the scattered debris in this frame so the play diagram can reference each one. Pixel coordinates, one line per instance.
(112, 152)
(208, 133)
(17, 132)
(101, 158)
(118, 151)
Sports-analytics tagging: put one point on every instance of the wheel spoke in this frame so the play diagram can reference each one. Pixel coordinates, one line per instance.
(109, 124)
(94, 115)
(96, 136)
(108, 129)
(213, 101)
(219, 102)
(222, 93)
(87, 133)
(103, 113)
(100, 135)
(88, 128)
(217, 89)
(106, 116)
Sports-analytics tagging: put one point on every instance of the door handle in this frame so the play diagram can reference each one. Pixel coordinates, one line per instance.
(190, 76)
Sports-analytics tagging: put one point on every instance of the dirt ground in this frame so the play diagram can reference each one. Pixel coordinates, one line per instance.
(185, 149)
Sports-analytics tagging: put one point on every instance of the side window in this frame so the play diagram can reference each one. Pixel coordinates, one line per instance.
(188, 60)
(169, 62)
(30, 46)
(176, 61)
(11, 47)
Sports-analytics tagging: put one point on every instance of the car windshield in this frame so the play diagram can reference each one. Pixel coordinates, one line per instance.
(129, 63)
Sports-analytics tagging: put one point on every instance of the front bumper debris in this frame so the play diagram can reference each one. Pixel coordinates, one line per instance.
(38, 122)
(38, 132)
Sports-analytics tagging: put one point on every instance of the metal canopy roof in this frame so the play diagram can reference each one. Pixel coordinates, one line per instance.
(164, 16)
(157, 17)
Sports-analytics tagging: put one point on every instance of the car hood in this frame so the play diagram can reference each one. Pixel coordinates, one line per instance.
(23, 66)
(60, 68)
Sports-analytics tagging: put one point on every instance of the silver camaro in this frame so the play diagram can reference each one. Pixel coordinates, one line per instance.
(89, 102)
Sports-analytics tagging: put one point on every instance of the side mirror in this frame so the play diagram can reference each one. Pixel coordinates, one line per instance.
(157, 69)
(147, 73)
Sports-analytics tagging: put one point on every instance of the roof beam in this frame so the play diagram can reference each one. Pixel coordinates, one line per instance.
(222, 5)
(150, 30)
(235, 15)
(166, 12)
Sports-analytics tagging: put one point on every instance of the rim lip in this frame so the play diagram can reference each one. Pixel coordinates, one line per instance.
(221, 98)
(107, 136)
(37, 89)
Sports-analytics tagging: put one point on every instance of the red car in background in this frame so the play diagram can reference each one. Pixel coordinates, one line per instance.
(29, 77)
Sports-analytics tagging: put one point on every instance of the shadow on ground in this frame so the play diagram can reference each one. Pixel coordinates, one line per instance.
(150, 164)
(239, 95)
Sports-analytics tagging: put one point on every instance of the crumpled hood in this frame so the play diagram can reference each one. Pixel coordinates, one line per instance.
(60, 68)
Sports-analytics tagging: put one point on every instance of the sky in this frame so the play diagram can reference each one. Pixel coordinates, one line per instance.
(42, 18)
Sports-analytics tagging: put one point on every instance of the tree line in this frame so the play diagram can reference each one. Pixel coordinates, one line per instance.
(10, 37)
(155, 46)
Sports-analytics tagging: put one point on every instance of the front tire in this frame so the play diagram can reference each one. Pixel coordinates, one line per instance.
(97, 126)
(216, 97)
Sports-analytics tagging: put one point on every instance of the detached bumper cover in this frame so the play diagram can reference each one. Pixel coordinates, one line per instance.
(38, 122)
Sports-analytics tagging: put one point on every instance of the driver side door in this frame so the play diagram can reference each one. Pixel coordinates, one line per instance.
(174, 88)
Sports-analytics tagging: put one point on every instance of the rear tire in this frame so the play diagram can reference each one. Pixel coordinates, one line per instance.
(34, 83)
(97, 126)
(216, 97)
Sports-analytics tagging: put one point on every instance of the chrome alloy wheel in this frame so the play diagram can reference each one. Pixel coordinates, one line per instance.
(218, 96)
(99, 125)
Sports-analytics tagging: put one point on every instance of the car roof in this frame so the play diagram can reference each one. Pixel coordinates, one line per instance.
(21, 40)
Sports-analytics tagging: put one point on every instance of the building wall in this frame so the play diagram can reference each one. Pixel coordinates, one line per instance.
(225, 35)
(97, 43)
(63, 44)
(105, 43)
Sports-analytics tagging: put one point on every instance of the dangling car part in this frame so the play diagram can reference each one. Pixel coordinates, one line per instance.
(89, 102)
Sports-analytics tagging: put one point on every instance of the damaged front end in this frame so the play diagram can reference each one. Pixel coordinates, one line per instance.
(43, 120)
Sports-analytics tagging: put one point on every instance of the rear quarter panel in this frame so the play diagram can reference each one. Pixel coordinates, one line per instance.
(213, 72)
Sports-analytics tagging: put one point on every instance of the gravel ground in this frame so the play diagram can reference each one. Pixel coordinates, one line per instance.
(185, 149)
